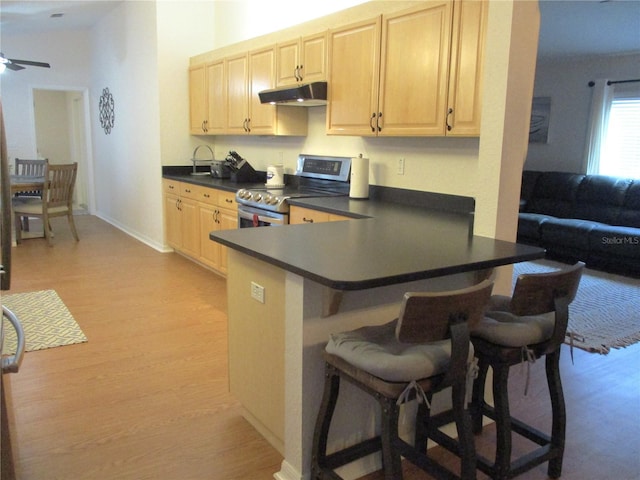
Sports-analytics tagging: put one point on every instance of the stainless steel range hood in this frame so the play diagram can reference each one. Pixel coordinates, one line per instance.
(305, 95)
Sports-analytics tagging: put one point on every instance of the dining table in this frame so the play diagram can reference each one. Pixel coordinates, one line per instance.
(26, 183)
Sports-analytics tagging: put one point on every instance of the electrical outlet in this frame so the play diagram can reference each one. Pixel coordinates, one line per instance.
(401, 166)
(257, 292)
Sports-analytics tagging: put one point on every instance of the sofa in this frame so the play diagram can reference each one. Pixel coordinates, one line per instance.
(592, 218)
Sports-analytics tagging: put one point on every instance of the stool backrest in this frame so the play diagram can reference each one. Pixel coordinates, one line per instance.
(536, 293)
(426, 316)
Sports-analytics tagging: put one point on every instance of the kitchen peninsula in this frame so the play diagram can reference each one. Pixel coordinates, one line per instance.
(290, 287)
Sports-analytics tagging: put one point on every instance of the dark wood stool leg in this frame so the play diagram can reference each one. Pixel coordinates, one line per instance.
(422, 421)
(465, 434)
(503, 421)
(389, 433)
(477, 400)
(323, 422)
(559, 415)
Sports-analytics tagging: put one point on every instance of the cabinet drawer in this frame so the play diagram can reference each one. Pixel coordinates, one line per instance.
(206, 195)
(227, 200)
(299, 215)
(171, 186)
(188, 190)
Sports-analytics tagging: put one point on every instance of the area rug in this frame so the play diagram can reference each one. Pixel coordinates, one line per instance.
(606, 311)
(45, 319)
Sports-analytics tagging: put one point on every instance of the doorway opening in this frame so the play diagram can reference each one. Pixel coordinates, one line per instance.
(61, 133)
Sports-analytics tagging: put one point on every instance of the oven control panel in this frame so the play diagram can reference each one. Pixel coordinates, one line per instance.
(324, 167)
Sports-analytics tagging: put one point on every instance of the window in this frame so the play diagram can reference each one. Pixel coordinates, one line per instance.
(620, 154)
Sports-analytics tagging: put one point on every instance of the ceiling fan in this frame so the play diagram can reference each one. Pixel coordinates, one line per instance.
(15, 65)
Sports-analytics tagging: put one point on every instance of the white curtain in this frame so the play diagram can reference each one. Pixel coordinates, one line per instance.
(602, 96)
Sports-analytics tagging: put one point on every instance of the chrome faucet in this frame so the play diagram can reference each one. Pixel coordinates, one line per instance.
(196, 161)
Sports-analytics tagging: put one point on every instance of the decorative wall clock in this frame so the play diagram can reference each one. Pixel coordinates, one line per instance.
(107, 116)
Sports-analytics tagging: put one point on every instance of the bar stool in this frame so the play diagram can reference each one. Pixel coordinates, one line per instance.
(530, 324)
(425, 350)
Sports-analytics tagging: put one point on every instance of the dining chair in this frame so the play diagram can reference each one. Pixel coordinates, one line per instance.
(56, 201)
(29, 168)
(530, 324)
(424, 351)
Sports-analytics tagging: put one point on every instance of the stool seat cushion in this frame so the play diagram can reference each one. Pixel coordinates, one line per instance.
(376, 350)
(509, 330)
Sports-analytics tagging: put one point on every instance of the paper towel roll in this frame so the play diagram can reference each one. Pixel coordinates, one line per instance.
(359, 178)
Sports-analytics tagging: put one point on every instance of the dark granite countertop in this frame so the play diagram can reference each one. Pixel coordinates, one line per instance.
(397, 244)
(396, 236)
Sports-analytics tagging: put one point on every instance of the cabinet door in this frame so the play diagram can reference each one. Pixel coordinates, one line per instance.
(313, 58)
(197, 100)
(228, 220)
(173, 224)
(414, 70)
(465, 80)
(354, 54)
(237, 94)
(190, 227)
(287, 63)
(262, 67)
(209, 250)
(216, 98)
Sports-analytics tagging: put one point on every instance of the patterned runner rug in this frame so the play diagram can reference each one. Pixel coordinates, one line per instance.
(606, 311)
(46, 321)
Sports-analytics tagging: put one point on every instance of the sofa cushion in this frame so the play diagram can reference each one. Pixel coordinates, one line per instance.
(600, 198)
(529, 226)
(555, 194)
(630, 211)
(566, 231)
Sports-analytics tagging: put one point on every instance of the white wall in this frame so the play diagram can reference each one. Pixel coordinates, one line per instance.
(127, 177)
(565, 81)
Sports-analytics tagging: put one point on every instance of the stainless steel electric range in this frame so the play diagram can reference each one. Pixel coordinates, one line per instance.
(315, 176)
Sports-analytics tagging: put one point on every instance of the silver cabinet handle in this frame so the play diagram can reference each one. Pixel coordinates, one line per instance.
(11, 363)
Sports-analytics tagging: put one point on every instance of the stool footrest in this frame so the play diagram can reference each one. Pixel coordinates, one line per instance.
(352, 453)
(523, 429)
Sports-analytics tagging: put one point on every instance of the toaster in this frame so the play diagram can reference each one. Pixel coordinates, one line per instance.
(220, 169)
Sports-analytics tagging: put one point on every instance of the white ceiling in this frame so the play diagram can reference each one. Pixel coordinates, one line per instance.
(568, 27)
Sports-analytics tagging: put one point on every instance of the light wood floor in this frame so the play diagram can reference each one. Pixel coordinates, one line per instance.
(146, 397)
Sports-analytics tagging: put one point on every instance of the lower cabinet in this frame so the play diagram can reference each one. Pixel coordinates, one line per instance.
(191, 213)
(298, 215)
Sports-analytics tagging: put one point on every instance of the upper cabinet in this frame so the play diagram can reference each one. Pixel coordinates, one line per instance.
(224, 98)
(302, 60)
(207, 99)
(391, 75)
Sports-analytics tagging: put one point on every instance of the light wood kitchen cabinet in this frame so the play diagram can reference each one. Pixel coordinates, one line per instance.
(465, 77)
(207, 99)
(181, 218)
(237, 93)
(191, 213)
(221, 215)
(299, 215)
(302, 60)
(198, 100)
(247, 75)
(390, 76)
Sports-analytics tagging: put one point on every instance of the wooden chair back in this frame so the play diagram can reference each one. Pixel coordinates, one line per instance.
(427, 316)
(537, 293)
(30, 168)
(60, 180)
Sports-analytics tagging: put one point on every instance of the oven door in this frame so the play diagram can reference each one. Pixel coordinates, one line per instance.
(249, 217)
